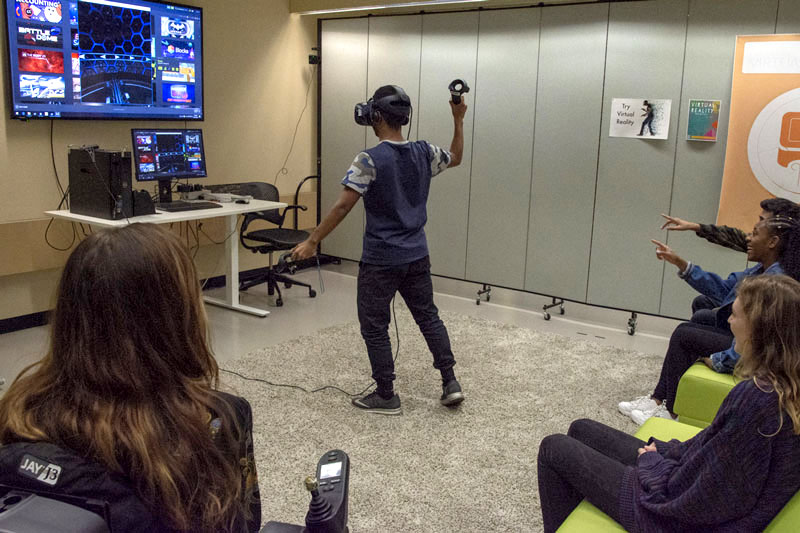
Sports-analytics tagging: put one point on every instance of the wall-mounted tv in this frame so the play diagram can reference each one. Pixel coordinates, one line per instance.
(105, 59)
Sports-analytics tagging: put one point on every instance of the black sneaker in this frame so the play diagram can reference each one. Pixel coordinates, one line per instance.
(451, 395)
(374, 403)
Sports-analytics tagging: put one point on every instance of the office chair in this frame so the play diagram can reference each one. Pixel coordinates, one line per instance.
(267, 241)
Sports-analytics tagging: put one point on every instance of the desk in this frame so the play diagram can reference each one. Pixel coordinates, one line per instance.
(230, 211)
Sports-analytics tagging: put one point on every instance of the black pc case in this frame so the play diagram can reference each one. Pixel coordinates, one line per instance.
(100, 183)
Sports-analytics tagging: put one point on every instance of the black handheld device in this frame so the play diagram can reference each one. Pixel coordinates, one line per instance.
(285, 264)
(327, 512)
(457, 88)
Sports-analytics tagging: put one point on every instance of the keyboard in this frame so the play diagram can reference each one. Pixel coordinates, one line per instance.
(181, 205)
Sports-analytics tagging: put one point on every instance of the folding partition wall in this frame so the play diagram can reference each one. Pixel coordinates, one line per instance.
(544, 200)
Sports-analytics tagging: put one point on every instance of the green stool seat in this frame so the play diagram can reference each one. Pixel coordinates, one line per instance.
(700, 393)
(587, 517)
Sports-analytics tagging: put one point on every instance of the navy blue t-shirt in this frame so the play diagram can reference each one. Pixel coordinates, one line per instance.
(394, 179)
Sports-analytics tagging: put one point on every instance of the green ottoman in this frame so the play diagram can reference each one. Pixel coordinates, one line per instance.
(587, 517)
(700, 393)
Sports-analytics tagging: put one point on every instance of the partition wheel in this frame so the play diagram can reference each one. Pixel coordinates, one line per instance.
(632, 324)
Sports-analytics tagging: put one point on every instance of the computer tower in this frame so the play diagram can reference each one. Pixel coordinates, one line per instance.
(100, 183)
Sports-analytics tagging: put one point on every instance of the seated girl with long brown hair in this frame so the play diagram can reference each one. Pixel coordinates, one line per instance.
(125, 402)
(735, 475)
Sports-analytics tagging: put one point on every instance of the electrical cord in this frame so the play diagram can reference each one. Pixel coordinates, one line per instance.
(64, 199)
(223, 241)
(325, 387)
(283, 170)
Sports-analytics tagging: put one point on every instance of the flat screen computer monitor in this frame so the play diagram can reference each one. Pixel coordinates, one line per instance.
(104, 59)
(165, 155)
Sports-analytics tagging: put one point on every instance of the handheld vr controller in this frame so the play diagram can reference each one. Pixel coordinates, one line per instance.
(457, 88)
(285, 264)
(327, 512)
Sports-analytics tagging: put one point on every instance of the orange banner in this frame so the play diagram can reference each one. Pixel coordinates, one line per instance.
(762, 159)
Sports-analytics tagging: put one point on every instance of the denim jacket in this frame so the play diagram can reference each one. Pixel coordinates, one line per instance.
(724, 293)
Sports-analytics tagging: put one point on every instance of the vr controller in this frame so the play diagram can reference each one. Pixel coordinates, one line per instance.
(285, 264)
(457, 87)
(327, 512)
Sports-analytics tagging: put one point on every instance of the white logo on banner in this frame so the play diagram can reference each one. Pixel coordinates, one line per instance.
(773, 147)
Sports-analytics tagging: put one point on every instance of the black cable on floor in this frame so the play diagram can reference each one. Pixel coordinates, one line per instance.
(324, 387)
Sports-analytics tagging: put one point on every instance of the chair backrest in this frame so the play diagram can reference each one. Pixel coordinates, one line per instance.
(260, 191)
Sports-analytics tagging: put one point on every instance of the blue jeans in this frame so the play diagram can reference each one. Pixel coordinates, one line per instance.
(377, 285)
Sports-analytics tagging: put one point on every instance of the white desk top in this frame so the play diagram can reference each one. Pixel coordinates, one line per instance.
(163, 217)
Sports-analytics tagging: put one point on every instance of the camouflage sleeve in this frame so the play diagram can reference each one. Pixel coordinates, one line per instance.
(732, 238)
(439, 158)
(361, 174)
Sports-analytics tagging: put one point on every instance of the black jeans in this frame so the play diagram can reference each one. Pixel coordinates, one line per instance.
(704, 311)
(588, 462)
(688, 343)
(377, 285)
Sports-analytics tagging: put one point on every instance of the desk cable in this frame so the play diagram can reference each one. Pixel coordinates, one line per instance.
(325, 387)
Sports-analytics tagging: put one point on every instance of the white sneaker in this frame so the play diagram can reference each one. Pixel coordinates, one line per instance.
(640, 417)
(642, 403)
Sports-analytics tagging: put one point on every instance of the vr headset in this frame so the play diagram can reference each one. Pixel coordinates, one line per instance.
(397, 105)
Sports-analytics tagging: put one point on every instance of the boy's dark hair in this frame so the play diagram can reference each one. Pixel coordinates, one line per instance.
(393, 119)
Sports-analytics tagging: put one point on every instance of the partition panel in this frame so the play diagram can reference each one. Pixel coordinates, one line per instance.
(644, 60)
(344, 82)
(502, 154)
(394, 58)
(713, 27)
(788, 17)
(568, 117)
(449, 48)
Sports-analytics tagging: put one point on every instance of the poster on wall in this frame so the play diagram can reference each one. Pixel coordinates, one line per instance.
(640, 117)
(703, 120)
(762, 157)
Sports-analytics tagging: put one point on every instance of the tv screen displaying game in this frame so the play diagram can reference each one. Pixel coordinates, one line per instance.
(107, 59)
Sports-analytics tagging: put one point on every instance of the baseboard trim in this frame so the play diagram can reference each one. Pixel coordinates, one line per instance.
(17, 323)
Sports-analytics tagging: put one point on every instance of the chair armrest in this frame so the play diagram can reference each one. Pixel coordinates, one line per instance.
(297, 197)
(294, 208)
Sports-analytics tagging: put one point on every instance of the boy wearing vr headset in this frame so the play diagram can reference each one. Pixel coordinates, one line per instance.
(394, 179)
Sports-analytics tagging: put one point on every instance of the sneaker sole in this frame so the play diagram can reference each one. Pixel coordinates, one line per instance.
(379, 410)
(452, 399)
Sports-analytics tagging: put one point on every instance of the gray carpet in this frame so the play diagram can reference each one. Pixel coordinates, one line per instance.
(432, 469)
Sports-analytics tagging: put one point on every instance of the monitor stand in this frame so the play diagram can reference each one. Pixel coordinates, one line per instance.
(164, 191)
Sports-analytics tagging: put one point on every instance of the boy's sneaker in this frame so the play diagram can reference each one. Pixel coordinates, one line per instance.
(451, 394)
(642, 403)
(640, 417)
(374, 403)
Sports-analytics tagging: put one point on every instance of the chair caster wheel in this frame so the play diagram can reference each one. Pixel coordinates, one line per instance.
(631, 330)
(546, 315)
(561, 310)
(312, 293)
(478, 301)
(279, 302)
(287, 285)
